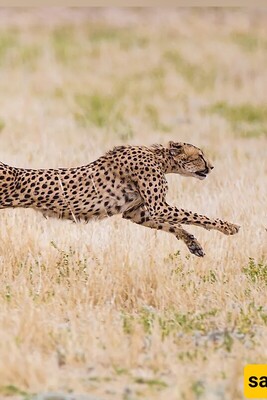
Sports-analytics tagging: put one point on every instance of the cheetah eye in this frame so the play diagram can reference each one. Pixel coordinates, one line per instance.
(190, 161)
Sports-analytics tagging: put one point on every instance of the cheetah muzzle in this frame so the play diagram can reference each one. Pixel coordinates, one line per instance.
(128, 180)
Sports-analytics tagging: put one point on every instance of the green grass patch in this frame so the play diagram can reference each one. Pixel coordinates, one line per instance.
(173, 323)
(65, 44)
(2, 124)
(17, 54)
(198, 77)
(169, 323)
(100, 379)
(209, 277)
(245, 321)
(248, 120)
(59, 93)
(198, 388)
(95, 109)
(155, 383)
(12, 390)
(125, 37)
(103, 111)
(186, 322)
(255, 271)
(248, 42)
(30, 55)
(8, 41)
(235, 114)
(128, 322)
(120, 370)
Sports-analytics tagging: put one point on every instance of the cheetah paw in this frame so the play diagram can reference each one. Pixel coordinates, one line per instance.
(230, 229)
(196, 249)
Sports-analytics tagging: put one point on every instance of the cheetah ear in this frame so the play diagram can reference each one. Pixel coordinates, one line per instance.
(157, 149)
(176, 148)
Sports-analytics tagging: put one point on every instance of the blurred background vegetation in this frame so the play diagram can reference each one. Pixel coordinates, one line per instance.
(110, 308)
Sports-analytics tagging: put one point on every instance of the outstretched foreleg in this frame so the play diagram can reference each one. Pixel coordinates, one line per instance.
(181, 216)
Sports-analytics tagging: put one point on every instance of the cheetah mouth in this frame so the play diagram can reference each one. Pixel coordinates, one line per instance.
(202, 174)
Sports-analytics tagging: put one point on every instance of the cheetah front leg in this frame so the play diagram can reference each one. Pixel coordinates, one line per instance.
(154, 197)
(141, 216)
(181, 216)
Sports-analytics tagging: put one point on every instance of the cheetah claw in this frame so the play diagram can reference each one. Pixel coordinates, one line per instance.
(196, 249)
(235, 229)
(231, 229)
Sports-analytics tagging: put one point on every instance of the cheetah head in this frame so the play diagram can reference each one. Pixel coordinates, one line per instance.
(188, 160)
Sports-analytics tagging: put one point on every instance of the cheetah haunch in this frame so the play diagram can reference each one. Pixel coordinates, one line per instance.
(128, 180)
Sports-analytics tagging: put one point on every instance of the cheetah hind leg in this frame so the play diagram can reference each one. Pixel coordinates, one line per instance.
(140, 215)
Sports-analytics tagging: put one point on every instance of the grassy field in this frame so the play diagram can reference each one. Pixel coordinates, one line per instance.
(109, 308)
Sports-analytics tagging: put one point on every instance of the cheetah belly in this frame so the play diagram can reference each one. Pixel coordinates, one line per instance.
(113, 201)
(113, 204)
(93, 199)
(98, 203)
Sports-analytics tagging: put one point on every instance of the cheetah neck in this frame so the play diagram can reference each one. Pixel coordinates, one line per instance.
(165, 160)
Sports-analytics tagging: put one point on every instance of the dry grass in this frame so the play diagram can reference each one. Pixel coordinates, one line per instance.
(111, 308)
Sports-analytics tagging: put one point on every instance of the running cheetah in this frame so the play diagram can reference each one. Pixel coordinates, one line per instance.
(128, 180)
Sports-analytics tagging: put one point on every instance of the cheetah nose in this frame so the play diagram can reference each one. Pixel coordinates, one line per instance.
(211, 167)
